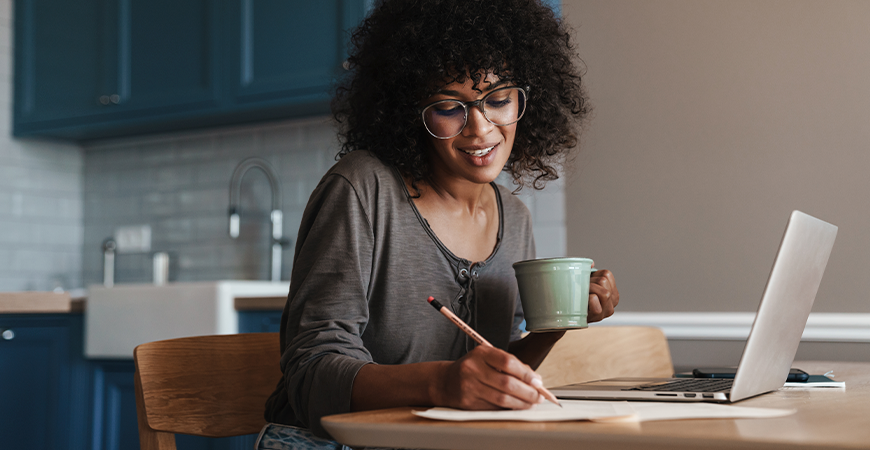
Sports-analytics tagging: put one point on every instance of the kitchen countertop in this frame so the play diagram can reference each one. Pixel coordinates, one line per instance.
(259, 303)
(51, 302)
(39, 303)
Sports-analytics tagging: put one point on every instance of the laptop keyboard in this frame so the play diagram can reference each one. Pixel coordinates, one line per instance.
(688, 385)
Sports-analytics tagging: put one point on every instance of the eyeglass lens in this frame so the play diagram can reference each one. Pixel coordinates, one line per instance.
(447, 118)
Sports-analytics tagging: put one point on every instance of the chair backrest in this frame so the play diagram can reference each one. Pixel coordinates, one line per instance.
(600, 352)
(213, 386)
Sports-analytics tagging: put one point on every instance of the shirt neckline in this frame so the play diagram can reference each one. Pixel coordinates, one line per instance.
(425, 224)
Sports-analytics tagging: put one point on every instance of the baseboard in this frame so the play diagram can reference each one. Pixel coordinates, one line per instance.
(821, 327)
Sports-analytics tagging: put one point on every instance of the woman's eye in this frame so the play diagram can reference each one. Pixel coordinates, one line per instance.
(448, 109)
(498, 102)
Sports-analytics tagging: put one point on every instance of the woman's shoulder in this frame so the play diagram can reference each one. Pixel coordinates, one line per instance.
(361, 166)
(511, 203)
(518, 235)
(365, 174)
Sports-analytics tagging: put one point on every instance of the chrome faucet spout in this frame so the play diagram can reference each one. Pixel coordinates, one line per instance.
(276, 216)
(109, 247)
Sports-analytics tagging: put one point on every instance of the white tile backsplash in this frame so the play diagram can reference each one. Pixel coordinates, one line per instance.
(41, 197)
(181, 184)
(182, 192)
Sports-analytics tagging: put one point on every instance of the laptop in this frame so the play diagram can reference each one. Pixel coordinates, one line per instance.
(773, 340)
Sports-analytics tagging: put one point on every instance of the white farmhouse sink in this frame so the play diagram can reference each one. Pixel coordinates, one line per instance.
(119, 318)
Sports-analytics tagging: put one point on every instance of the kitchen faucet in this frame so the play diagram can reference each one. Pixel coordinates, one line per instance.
(277, 216)
(109, 248)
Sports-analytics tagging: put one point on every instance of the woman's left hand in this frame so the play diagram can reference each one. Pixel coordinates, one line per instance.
(603, 295)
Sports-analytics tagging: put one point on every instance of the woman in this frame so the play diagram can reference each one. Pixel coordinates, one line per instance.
(443, 96)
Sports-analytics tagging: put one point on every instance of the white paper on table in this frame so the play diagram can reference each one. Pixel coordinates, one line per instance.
(607, 411)
(544, 412)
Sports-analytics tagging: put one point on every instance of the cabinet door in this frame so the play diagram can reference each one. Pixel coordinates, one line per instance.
(260, 321)
(41, 383)
(102, 68)
(160, 56)
(114, 406)
(56, 61)
(288, 53)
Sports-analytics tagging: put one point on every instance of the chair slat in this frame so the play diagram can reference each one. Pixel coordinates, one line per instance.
(214, 386)
(602, 352)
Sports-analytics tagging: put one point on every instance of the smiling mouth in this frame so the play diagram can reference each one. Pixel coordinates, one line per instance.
(481, 152)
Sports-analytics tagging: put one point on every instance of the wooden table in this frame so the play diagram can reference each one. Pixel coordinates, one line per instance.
(829, 419)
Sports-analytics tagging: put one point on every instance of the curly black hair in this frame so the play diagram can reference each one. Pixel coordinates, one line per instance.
(406, 49)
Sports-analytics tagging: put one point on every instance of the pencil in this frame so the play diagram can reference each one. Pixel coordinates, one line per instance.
(480, 340)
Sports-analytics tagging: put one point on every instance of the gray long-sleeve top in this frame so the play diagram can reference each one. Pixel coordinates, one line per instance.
(365, 263)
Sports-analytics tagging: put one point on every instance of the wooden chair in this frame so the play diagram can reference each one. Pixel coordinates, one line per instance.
(213, 386)
(601, 352)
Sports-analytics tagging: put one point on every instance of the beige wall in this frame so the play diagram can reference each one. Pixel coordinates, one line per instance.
(713, 120)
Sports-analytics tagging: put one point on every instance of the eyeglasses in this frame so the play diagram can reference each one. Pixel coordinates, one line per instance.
(445, 119)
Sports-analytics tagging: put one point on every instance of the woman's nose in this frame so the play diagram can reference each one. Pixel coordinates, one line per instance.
(476, 124)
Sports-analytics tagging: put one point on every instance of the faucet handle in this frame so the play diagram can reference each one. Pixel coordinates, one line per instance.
(234, 223)
(277, 224)
(109, 247)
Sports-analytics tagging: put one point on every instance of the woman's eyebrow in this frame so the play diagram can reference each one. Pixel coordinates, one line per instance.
(447, 92)
(456, 93)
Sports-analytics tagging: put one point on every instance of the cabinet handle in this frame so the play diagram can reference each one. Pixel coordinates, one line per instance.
(106, 99)
(7, 334)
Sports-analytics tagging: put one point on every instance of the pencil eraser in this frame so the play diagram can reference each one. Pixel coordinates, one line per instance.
(430, 299)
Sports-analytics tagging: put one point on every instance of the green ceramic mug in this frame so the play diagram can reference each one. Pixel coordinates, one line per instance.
(554, 292)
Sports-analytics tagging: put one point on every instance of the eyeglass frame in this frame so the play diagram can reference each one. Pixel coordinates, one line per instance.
(479, 105)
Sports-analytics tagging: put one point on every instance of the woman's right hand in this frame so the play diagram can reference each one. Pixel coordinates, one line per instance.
(486, 378)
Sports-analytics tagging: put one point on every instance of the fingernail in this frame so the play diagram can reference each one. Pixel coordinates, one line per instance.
(537, 382)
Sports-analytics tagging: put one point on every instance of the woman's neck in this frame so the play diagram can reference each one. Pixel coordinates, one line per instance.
(464, 215)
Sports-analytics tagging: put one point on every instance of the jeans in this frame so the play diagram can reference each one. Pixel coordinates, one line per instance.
(274, 436)
(284, 437)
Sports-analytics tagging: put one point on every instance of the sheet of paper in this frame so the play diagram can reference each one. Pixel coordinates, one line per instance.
(608, 411)
(571, 410)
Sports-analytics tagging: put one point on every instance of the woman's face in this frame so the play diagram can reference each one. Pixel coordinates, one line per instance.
(481, 150)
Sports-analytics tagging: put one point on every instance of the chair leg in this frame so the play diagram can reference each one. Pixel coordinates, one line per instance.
(150, 439)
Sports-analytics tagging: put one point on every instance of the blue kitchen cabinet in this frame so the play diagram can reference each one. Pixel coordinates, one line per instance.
(163, 56)
(114, 405)
(43, 379)
(284, 57)
(57, 64)
(53, 398)
(103, 68)
(259, 321)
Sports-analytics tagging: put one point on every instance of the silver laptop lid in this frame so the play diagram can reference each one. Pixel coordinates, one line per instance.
(785, 306)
